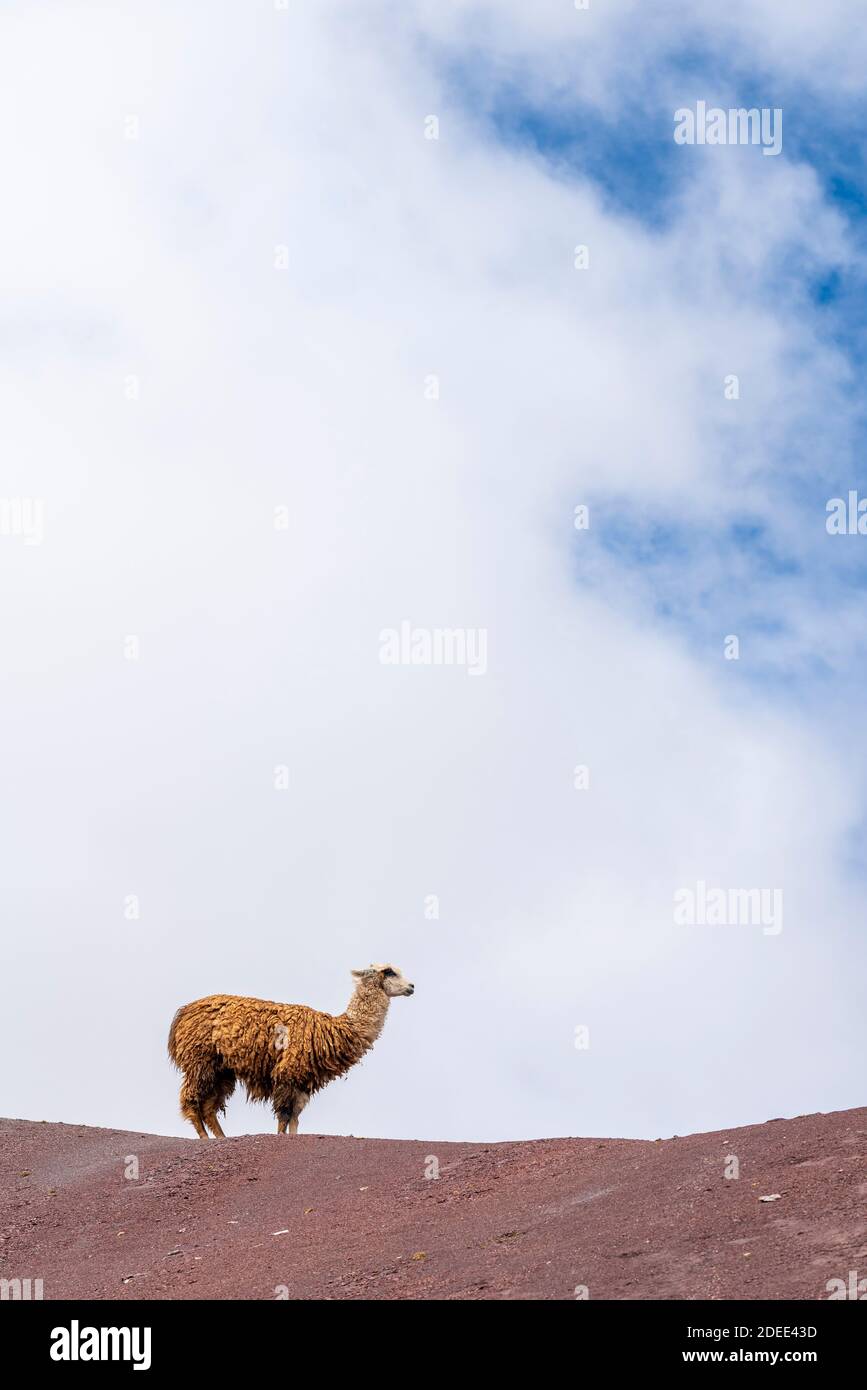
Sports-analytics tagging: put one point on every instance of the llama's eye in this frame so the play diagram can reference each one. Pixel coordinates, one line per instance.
(389, 972)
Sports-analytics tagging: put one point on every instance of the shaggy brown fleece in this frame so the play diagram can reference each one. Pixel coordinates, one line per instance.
(279, 1052)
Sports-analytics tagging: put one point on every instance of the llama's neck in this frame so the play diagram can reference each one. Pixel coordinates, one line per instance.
(366, 1011)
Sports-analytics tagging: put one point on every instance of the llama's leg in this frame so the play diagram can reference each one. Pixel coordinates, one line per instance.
(281, 1099)
(287, 1108)
(300, 1099)
(209, 1117)
(215, 1103)
(191, 1110)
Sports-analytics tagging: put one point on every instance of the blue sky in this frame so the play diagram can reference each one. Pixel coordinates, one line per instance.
(628, 155)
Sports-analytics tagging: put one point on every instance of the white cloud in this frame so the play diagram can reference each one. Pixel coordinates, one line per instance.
(600, 51)
(304, 387)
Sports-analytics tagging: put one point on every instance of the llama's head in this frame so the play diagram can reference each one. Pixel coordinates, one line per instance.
(387, 978)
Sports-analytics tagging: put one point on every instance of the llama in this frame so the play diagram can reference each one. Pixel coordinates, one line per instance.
(279, 1052)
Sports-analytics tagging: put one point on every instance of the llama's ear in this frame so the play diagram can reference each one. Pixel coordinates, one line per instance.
(357, 974)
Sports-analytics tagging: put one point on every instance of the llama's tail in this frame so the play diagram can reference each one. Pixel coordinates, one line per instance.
(172, 1032)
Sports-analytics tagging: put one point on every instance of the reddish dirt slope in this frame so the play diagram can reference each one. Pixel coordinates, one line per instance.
(357, 1218)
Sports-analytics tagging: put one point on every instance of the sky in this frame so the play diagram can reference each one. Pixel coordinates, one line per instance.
(281, 372)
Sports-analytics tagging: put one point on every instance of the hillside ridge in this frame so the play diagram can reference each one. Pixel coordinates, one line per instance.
(114, 1214)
